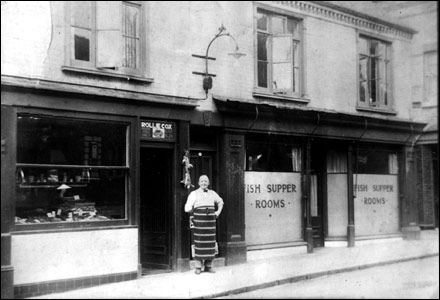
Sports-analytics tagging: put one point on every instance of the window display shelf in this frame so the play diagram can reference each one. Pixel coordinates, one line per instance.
(47, 185)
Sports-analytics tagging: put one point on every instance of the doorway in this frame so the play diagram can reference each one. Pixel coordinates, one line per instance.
(317, 195)
(156, 209)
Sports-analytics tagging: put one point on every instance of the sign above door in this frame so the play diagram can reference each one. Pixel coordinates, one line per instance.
(158, 130)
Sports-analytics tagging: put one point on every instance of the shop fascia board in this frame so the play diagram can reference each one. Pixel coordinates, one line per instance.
(324, 122)
(97, 92)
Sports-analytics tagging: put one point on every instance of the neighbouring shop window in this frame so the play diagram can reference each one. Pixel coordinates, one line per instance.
(273, 158)
(278, 58)
(336, 162)
(374, 73)
(376, 189)
(70, 170)
(376, 162)
(105, 35)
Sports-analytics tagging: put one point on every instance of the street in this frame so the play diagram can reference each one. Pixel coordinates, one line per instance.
(416, 279)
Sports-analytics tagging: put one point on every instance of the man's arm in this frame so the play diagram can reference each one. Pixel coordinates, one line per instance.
(220, 204)
(189, 206)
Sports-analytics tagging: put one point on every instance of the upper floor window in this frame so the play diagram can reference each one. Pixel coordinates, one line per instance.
(430, 70)
(105, 35)
(374, 74)
(278, 59)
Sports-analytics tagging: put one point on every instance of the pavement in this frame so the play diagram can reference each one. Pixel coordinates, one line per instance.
(263, 273)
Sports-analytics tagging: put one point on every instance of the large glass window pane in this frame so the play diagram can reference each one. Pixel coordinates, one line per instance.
(272, 158)
(46, 195)
(336, 162)
(131, 36)
(375, 162)
(43, 140)
(70, 170)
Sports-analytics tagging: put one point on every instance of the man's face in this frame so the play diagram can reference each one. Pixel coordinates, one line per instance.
(204, 182)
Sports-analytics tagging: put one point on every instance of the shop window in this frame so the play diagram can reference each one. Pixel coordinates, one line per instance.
(273, 158)
(376, 162)
(278, 54)
(374, 74)
(105, 35)
(70, 170)
(336, 162)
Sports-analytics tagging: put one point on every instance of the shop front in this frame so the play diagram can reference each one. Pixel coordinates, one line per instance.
(73, 216)
(317, 179)
(273, 195)
(90, 197)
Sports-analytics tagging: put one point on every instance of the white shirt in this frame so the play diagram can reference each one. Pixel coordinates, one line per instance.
(199, 198)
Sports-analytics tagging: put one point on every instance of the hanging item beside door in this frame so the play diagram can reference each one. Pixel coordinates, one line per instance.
(186, 174)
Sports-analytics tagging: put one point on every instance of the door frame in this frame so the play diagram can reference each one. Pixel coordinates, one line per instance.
(172, 222)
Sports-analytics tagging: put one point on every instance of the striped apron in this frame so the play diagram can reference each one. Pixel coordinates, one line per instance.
(204, 233)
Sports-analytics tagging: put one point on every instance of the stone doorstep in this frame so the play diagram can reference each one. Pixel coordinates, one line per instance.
(217, 262)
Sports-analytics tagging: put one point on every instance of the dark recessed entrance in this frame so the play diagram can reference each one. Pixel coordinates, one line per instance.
(156, 209)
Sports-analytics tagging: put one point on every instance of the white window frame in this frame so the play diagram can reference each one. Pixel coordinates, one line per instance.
(107, 62)
(379, 104)
(430, 78)
(300, 64)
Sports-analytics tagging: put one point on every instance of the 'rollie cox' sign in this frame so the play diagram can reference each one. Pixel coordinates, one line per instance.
(158, 130)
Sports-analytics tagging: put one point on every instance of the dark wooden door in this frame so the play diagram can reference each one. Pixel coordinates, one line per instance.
(202, 165)
(156, 208)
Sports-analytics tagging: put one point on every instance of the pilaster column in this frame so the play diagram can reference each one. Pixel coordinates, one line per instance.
(408, 194)
(350, 197)
(306, 195)
(8, 152)
(232, 220)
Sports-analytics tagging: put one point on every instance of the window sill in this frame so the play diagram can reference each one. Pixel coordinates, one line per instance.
(281, 97)
(377, 110)
(106, 74)
(70, 226)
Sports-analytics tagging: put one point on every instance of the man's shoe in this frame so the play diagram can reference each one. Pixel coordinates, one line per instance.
(198, 271)
(209, 270)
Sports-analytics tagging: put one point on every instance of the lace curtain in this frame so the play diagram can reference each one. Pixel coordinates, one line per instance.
(336, 162)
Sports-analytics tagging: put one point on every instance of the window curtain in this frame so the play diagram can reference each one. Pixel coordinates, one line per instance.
(392, 163)
(296, 159)
(336, 162)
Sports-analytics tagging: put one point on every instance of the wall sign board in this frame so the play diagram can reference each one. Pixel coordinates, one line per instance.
(376, 204)
(273, 207)
(158, 130)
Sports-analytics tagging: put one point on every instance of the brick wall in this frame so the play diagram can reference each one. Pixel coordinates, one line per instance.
(425, 186)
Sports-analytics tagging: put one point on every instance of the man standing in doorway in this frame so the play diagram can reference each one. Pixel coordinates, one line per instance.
(201, 203)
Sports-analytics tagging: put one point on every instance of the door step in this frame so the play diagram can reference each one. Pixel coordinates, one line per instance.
(217, 262)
